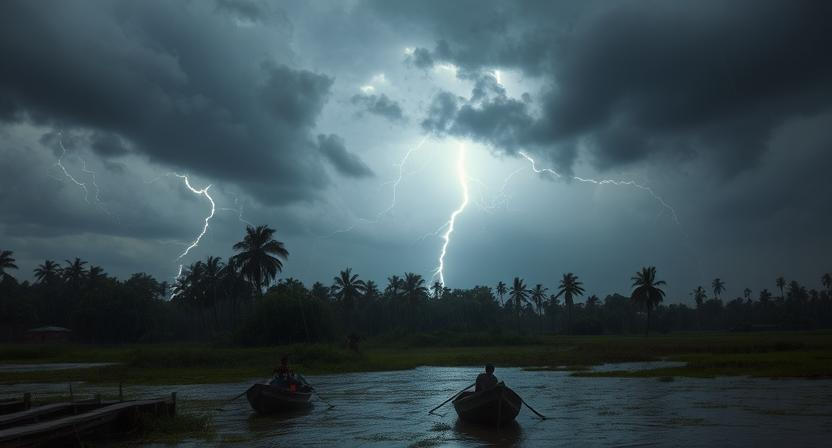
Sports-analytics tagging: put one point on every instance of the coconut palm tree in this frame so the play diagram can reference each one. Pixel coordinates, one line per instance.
(6, 262)
(347, 288)
(371, 292)
(746, 293)
(47, 272)
(647, 291)
(569, 288)
(259, 260)
(75, 272)
(538, 296)
(781, 284)
(826, 279)
(501, 290)
(518, 294)
(699, 296)
(394, 286)
(414, 287)
(718, 286)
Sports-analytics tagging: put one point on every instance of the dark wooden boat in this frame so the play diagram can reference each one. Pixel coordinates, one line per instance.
(268, 399)
(496, 406)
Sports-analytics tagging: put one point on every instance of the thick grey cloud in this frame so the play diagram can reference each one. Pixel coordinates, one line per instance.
(631, 80)
(178, 82)
(345, 162)
(380, 105)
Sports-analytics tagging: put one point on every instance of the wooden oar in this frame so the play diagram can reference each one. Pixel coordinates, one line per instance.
(315, 391)
(229, 401)
(449, 399)
(542, 417)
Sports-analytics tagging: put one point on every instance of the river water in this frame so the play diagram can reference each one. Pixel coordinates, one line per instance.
(383, 409)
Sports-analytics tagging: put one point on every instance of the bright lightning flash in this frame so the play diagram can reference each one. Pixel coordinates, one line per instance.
(202, 192)
(462, 177)
(195, 242)
(605, 182)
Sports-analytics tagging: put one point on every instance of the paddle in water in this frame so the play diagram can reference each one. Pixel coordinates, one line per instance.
(449, 399)
(542, 417)
(301, 377)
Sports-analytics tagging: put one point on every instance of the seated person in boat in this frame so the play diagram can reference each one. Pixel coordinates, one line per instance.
(486, 380)
(285, 377)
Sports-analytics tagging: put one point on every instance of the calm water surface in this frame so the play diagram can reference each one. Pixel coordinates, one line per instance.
(390, 409)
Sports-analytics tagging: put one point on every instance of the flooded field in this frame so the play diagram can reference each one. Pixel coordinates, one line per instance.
(390, 409)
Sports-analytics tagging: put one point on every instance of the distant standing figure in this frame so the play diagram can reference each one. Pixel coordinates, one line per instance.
(486, 380)
(352, 342)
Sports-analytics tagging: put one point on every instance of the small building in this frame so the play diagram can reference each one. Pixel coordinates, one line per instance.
(48, 335)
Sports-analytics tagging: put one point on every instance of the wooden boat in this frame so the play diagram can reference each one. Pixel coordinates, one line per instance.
(496, 406)
(269, 399)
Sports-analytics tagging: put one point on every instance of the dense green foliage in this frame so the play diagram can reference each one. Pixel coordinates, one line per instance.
(239, 302)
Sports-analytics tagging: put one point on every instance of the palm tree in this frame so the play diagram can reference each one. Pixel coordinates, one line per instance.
(74, 273)
(501, 290)
(699, 296)
(538, 296)
(647, 291)
(371, 292)
(826, 279)
(718, 286)
(569, 288)
(414, 287)
(394, 286)
(259, 257)
(437, 289)
(593, 302)
(6, 262)
(47, 272)
(518, 294)
(747, 294)
(781, 284)
(347, 287)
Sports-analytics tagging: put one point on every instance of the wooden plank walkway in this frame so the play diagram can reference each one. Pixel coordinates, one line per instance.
(49, 411)
(114, 416)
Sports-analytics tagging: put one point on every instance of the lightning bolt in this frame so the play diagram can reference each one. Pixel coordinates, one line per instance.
(395, 191)
(195, 242)
(462, 177)
(238, 211)
(630, 183)
(202, 192)
(59, 163)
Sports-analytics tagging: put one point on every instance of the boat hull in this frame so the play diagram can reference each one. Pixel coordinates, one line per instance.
(497, 406)
(267, 399)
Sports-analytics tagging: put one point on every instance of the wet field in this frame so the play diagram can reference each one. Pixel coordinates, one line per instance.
(382, 409)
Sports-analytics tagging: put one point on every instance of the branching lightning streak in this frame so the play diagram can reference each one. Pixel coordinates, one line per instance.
(195, 242)
(395, 189)
(238, 211)
(605, 182)
(202, 192)
(446, 237)
(59, 164)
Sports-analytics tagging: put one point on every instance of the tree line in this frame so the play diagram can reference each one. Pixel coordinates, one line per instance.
(241, 300)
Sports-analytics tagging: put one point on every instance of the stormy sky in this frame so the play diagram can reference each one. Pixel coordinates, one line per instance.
(299, 115)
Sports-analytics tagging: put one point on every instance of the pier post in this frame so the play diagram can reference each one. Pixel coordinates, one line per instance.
(120, 393)
(27, 401)
(173, 405)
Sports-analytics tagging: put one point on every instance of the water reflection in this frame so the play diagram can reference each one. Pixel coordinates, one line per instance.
(507, 436)
(383, 409)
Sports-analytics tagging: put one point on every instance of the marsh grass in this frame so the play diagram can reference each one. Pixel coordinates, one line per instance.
(777, 355)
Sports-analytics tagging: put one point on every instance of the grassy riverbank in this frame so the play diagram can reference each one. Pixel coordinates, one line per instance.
(803, 354)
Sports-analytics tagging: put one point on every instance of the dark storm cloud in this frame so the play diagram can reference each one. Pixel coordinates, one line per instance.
(345, 162)
(172, 80)
(634, 79)
(249, 10)
(380, 105)
(421, 58)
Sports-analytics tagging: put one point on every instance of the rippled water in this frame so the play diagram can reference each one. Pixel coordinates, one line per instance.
(390, 409)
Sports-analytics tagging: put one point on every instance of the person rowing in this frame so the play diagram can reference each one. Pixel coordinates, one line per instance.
(283, 376)
(486, 380)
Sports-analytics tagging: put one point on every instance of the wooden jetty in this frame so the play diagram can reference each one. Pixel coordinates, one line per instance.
(9, 405)
(70, 423)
